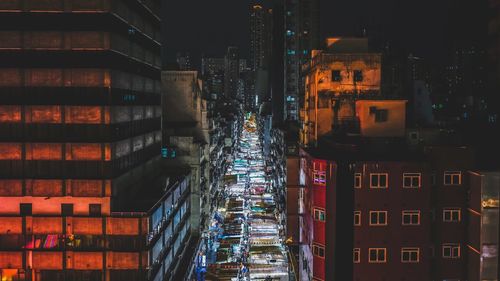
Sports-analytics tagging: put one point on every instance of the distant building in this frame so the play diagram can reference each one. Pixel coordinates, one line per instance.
(186, 131)
(260, 37)
(184, 61)
(232, 73)
(301, 37)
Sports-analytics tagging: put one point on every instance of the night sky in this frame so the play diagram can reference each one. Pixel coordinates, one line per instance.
(424, 27)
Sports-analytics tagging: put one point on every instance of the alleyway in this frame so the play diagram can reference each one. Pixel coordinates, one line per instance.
(245, 238)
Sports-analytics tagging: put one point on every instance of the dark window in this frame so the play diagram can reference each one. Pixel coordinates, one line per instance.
(336, 76)
(94, 210)
(381, 115)
(358, 75)
(66, 209)
(26, 209)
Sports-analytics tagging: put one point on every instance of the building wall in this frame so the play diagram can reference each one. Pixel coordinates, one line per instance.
(83, 111)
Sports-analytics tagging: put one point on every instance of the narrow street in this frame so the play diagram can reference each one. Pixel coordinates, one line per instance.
(245, 240)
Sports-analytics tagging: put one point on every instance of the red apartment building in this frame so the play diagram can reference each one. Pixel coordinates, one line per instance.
(377, 201)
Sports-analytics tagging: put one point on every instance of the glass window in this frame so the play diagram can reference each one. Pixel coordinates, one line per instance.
(451, 251)
(356, 255)
(319, 214)
(357, 180)
(318, 250)
(411, 180)
(378, 218)
(410, 255)
(452, 178)
(357, 218)
(452, 215)
(411, 217)
(377, 255)
(378, 180)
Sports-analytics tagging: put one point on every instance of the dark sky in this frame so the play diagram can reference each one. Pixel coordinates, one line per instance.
(423, 27)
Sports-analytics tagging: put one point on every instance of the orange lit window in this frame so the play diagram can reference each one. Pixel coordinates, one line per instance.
(43, 114)
(85, 187)
(10, 113)
(10, 151)
(11, 187)
(83, 115)
(44, 187)
(44, 77)
(90, 151)
(43, 151)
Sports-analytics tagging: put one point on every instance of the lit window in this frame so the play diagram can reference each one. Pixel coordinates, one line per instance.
(377, 255)
(356, 255)
(378, 218)
(358, 75)
(357, 180)
(378, 180)
(319, 178)
(452, 178)
(411, 218)
(318, 250)
(452, 215)
(357, 218)
(451, 251)
(410, 255)
(412, 180)
(319, 214)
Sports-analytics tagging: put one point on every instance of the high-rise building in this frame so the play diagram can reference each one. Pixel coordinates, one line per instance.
(260, 37)
(301, 37)
(184, 61)
(232, 73)
(80, 143)
(212, 71)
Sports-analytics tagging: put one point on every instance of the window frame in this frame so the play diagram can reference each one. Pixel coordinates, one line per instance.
(452, 247)
(412, 176)
(357, 75)
(377, 253)
(336, 78)
(378, 212)
(410, 213)
(316, 250)
(378, 175)
(410, 250)
(451, 174)
(357, 214)
(381, 115)
(451, 211)
(319, 211)
(356, 255)
(358, 180)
